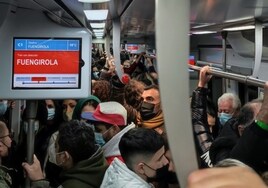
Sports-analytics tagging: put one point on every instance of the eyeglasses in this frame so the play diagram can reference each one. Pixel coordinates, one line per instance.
(10, 135)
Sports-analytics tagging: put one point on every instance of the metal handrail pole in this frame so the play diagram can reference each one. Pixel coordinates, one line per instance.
(248, 80)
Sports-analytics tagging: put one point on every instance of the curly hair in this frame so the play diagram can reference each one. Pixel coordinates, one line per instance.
(78, 139)
(101, 89)
(133, 93)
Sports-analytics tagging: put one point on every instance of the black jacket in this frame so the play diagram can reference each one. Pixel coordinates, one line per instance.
(222, 146)
(202, 135)
(252, 148)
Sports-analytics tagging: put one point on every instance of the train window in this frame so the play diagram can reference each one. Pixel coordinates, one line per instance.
(46, 63)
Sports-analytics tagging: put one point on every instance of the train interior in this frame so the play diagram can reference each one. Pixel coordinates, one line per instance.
(220, 31)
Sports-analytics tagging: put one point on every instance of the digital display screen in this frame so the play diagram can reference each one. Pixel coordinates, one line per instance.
(49, 63)
(135, 48)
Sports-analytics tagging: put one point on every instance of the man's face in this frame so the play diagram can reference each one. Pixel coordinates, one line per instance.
(107, 131)
(157, 161)
(151, 96)
(226, 107)
(171, 166)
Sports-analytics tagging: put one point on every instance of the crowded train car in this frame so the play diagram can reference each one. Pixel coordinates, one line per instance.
(133, 93)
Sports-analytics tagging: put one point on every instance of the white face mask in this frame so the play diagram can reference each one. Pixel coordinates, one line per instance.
(52, 154)
(3, 107)
(50, 113)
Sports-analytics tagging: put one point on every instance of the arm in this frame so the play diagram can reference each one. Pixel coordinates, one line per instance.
(202, 135)
(34, 172)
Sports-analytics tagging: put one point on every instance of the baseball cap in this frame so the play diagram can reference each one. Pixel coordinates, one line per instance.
(109, 112)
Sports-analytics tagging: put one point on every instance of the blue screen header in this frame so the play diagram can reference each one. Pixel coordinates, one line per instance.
(47, 44)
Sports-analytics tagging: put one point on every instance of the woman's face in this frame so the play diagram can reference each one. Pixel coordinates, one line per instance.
(88, 108)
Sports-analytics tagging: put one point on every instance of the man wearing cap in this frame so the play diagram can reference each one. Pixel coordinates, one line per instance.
(110, 123)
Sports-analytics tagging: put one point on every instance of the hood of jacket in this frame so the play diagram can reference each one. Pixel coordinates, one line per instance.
(111, 147)
(86, 173)
(118, 175)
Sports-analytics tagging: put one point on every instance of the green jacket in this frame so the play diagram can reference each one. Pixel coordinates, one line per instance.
(87, 173)
(5, 179)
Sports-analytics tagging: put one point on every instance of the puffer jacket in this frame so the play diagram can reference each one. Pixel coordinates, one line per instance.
(118, 176)
(203, 137)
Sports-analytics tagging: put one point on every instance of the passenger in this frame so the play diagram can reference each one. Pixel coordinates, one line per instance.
(88, 104)
(133, 99)
(170, 179)
(82, 161)
(95, 73)
(143, 152)
(130, 66)
(68, 108)
(251, 148)
(110, 123)
(222, 146)
(151, 114)
(212, 118)
(228, 104)
(102, 89)
(5, 173)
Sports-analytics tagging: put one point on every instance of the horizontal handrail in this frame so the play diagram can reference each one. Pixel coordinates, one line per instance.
(248, 80)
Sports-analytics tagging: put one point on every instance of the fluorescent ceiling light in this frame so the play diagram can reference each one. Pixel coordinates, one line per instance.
(98, 34)
(97, 25)
(98, 30)
(99, 37)
(96, 14)
(239, 28)
(93, 1)
(203, 32)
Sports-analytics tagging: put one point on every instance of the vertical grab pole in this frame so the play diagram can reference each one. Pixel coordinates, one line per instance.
(31, 109)
(116, 46)
(224, 58)
(107, 43)
(172, 53)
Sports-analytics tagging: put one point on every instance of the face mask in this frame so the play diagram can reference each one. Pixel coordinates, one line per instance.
(96, 74)
(160, 175)
(25, 126)
(50, 113)
(223, 117)
(67, 116)
(3, 107)
(148, 111)
(52, 154)
(99, 139)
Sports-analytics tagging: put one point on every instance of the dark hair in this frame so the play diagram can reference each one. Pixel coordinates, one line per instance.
(102, 90)
(211, 108)
(139, 141)
(77, 139)
(152, 87)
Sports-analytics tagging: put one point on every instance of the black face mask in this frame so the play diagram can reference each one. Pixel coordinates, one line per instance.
(160, 174)
(147, 110)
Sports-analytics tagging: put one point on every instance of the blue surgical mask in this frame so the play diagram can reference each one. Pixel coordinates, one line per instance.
(50, 113)
(96, 74)
(3, 107)
(99, 139)
(224, 117)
